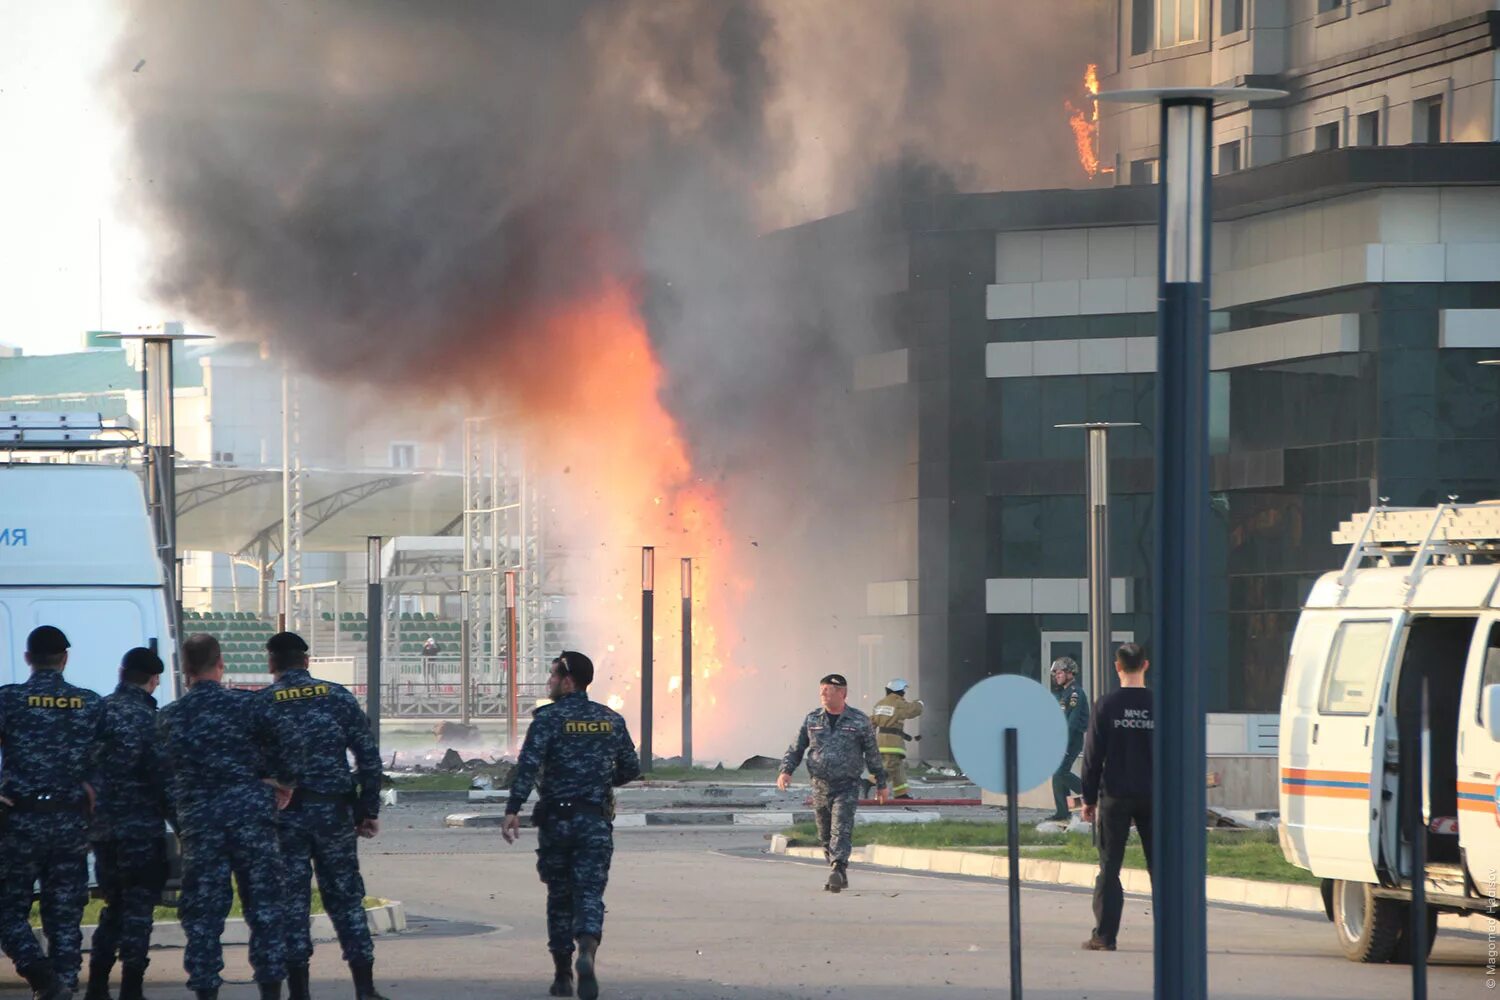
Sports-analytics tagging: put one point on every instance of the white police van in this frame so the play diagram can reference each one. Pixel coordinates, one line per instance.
(1418, 600)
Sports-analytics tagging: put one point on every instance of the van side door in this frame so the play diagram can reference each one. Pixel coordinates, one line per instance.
(1479, 764)
(1331, 770)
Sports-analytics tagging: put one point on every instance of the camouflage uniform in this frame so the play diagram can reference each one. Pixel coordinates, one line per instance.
(576, 751)
(47, 732)
(1075, 706)
(219, 744)
(318, 829)
(130, 852)
(890, 715)
(838, 750)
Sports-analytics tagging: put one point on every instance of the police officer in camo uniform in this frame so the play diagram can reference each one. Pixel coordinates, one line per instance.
(329, 812)
(48, 729)
(839, 742)
(230, 770)
(576, 752)
(130, 851)
(1075, 708)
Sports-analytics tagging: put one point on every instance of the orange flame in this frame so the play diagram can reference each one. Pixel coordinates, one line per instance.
(590, 387)
(1085, 126)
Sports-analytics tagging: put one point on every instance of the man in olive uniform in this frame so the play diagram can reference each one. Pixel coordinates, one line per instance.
(839, 743)
(130, 852)
(1075, 707)
(48, 729)
(576, 753)
(330, 811)
(890, 715)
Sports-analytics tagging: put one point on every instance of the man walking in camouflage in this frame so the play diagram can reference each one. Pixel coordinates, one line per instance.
(329, 812)
(1075, 707)
(839, 742)
(230, 770)
(576, 752)
(47, 732)
(130, 852)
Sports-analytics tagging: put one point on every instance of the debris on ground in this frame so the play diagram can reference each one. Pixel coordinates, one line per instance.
(1220, 818)
(760, 763)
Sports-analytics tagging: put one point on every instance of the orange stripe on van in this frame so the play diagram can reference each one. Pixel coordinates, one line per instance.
(1476, 787)
(1326, 793)
(1472, 805)
(1303, 773)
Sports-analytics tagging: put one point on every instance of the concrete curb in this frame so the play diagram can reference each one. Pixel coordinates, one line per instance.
(1234, 891)
(701, 817)
(388, 918)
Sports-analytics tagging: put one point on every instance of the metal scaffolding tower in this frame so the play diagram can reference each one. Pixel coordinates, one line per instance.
(291, 496)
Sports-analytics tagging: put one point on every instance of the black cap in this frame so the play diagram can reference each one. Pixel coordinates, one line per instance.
(142, 661)
(286, 644)
(46, 640)
(577, 666)
(837, 680)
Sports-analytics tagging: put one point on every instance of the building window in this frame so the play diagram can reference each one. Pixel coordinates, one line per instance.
(1367, 129)
(1141, 14)
(1427, 120)
(1326, 136)
(1324, 6)
(1176, 23)
(403, 455)
(1143, 172)
(1232, 17)
(1229, 157)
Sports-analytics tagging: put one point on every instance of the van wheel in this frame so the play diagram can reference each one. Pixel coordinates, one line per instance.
(1368, 926)
(1403, 953)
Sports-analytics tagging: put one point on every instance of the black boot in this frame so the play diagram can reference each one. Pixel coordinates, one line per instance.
(588, 986)
(132, 983)
(99, 968)
(364, 981)
(44, 982)
(838, 879)
(270, 991)
(297, 987)
(562, 975)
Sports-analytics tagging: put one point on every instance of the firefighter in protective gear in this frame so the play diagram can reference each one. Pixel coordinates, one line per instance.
(890, 715)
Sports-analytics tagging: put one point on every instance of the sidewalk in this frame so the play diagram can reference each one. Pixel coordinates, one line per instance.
(387, 918)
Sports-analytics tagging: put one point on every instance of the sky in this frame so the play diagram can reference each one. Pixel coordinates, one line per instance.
(59, 180)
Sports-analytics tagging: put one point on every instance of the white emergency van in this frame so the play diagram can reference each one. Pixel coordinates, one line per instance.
(78, 550)
(1416, 605)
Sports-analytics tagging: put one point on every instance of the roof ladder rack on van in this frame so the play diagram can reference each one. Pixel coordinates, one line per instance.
(1426, 533)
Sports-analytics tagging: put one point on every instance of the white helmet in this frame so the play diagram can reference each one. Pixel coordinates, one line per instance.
(897, 685)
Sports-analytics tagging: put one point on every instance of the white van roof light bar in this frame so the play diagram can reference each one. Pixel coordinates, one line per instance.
(1424, 532)
(38, 431)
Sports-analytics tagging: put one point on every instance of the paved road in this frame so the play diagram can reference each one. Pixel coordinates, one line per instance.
(701, 914)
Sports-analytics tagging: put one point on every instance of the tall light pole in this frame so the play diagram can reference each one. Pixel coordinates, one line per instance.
(648, 586)
(687, 661)
(1101, 615)
(512, 661)
(1180, 522)
(374, 631)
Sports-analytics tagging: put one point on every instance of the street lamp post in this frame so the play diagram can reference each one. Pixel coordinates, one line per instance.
(374, 629)
(1180, 522)
(687, 662)
(1100, 613)
(648, 586)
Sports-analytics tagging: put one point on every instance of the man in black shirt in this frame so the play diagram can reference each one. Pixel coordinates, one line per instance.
(1117, 785)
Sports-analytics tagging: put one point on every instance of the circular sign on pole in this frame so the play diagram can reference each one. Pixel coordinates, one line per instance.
(977, 732)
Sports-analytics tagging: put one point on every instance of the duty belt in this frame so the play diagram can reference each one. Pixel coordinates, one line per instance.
(567, 808)
(890, 730)
(47, 803)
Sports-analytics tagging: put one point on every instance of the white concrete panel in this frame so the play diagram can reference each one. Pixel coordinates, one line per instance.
(1018, 258)
(1055, 298)
(1105, 356)
(1469, 328)
(1474, 261)
(890, 598)
(1409, 217)
(1146, 251)
(1006, 596)
(1008, 360)
(1055, 597)
(1470, 215)
(877, 371)
(1055, 357)
(1140, 355)
(1065, 254)
(1102, 296)
(1140, 294)
(1008, 301)
(1420, 262)
(1112, 252)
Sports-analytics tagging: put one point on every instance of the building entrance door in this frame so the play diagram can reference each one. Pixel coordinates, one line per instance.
(1076, 645)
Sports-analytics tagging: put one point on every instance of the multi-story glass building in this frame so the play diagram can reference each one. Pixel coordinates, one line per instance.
(1356, 285)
